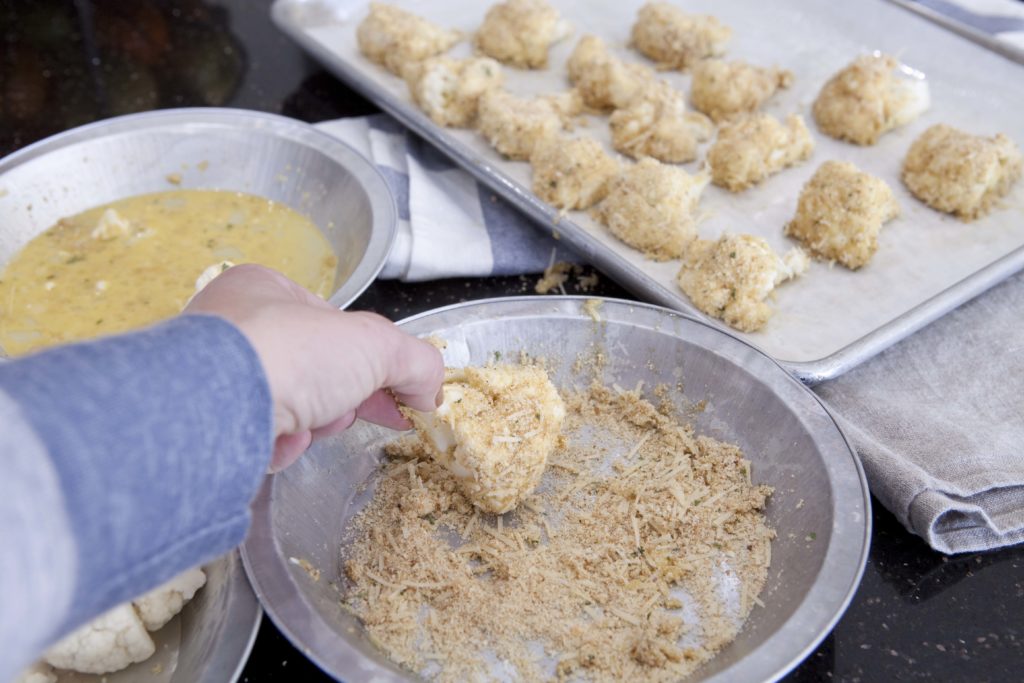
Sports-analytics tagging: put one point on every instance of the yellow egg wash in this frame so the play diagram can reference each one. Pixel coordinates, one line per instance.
(135, 261)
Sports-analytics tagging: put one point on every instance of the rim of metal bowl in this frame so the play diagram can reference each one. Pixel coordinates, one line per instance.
(382, 200)
(243, 606)
(815, 617)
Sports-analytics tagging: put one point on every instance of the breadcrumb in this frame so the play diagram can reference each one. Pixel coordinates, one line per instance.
(960, 173)
(840, 213)
(650, 206)
(753, 147)
(448, 90)
(397, 39)
(723, 89)
(604, 81)
(514, 125)
(730, 278)
(571, 173)
(519, 32)
(656, 124)
(676, 40)
(872, 95)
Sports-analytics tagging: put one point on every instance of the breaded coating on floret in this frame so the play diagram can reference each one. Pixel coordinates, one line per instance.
(840, 213)
(396, 39)
(519, 32)
(650, 206)
(959, 173)
(515, 126)
(656, 124)
(730, 278)
(676, 40)
(604, 81)
(448, 90)
(494, 431)
(872, 95)
(571, 173)
(754, 146)
(723, 89)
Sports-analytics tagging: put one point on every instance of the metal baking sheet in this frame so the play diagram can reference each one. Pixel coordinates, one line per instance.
(831, 319)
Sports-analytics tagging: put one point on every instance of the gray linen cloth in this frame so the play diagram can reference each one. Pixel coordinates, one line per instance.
(938, 421)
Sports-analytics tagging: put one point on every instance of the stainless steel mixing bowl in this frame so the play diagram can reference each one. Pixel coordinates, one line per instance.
(223, 149)
(820, 508)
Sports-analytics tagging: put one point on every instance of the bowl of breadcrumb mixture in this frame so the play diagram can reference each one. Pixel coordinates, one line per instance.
(700, 516)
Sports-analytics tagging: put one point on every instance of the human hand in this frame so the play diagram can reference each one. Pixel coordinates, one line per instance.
(325, 367)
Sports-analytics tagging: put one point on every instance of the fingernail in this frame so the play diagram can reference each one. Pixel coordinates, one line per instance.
(439, 399)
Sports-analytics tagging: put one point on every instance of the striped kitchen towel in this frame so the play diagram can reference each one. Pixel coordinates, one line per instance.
(449, 225)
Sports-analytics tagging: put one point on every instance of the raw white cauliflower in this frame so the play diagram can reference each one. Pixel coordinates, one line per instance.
(39, 672)
(161, 604)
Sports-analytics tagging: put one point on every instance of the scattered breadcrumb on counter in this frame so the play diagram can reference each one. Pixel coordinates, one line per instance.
(676, 40)
(397, 39)
(651, 207)
(519, 32)
(557, 275)
(960, 173)
(656, 124)
(583, 581)
(723, 89)
(448, 90)
(752, 147)
(514, 126)
(731, 278)
(840, 212)
(870, 96)
(571, 173)
(604, 81)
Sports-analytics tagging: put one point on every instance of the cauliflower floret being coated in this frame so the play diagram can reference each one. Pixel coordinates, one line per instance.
(161, 604)
(960, 173)
(494, 431)
(723, 89)
(656, 124)
(397, 39)
(676, 40)
(730, 278)
(515, 126)
(111, 225)
(519, 32)
(448, 90)
(571, 173)
(872, 95)
(753, 147)
(604, 81)
(110, 642)
(650, 206)
(840, 213)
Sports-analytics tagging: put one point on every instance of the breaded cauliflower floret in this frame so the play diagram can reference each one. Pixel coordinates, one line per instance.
(959, 173)
(396, 39)
(656, 124)
(448, 90)
(571, 173)
(676, 40)
(872, 95)
(753, 147)
(494, 431)
(161, 604)
(723, 89)
(603, 80)
(519, 32)
(515, 126)
(108, 643)
(730, 278)
(840, 213)
(650, 206)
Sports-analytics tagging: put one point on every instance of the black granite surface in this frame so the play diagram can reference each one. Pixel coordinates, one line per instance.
(918, 615)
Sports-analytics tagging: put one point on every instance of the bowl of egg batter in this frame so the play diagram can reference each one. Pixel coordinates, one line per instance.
(108, 227)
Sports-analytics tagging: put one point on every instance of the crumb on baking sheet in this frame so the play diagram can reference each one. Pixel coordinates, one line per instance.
(731, 278)
(724, 89)
(840, 212)
(752, 147)
(960, 173)
(448, 90)
(674, 39)
(656, 124)
(519, 32)
(397, 39)
(604, 81)
(870, 96)
(514, 125)
(571, 173)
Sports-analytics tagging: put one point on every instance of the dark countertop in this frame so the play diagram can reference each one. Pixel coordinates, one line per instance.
(917, 614)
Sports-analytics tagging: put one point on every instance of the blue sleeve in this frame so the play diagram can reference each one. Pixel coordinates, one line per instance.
(155, 443)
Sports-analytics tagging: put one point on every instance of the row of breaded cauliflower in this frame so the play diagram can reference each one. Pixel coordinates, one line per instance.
(651, 205)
